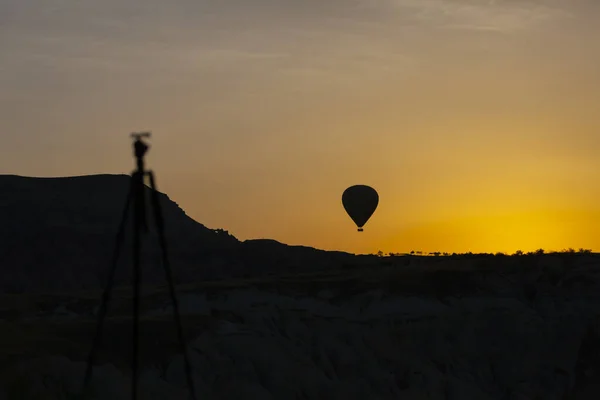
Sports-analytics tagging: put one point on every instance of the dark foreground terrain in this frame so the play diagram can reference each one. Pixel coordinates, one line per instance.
(269, 321)
(492, 330)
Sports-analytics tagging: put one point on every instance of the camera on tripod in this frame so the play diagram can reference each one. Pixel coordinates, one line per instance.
(136, 199)
(139, 147)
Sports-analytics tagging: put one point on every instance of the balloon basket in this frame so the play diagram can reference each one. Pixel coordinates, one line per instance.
(360, 229)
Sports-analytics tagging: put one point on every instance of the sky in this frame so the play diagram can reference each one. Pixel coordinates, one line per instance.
(477, 121)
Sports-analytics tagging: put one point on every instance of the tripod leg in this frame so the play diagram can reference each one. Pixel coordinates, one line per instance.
(138, 219)
(106, 294)
(158, 217)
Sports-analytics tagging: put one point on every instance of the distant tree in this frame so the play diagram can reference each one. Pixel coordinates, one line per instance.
(570, 250)
(445, 254)
(412, 252)
(539, 252)
(380, 253)
(585, 251)
(500, 254)
(436, 253)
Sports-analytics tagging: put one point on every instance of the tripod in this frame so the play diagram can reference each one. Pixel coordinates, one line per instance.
(136, 198)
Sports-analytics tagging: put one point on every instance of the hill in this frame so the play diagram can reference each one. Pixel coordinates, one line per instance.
(59, 233)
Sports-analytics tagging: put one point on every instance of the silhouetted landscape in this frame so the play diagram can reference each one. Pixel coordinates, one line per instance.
(60, 234)
(356, 200)
(269, 321)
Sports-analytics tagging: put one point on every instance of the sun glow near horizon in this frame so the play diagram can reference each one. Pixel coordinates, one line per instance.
(551, 231)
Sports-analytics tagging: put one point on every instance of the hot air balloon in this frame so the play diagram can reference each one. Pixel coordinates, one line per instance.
(360, 202)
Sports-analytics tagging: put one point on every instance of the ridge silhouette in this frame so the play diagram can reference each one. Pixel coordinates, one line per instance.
(58, 234)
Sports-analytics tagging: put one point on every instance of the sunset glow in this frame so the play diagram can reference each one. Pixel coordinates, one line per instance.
(478, 122)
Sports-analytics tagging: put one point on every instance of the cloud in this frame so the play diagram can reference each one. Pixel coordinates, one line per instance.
(254, 37)
(311, 40)
(505, 16)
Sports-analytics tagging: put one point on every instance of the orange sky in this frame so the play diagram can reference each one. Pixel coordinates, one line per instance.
(477, 121)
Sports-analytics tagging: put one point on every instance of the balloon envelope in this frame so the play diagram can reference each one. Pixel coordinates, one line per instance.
(360, 202)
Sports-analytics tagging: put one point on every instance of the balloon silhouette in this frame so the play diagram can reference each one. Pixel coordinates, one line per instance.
(360, 202)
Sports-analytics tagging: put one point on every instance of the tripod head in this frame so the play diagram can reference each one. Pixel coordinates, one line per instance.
(140, 148)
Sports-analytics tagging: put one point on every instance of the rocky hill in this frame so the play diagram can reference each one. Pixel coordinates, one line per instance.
(59, 233)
